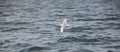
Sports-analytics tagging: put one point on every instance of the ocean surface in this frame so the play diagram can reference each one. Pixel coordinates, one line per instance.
(34, 26)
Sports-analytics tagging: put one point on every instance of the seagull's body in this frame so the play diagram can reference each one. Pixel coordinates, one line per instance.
(63, 25)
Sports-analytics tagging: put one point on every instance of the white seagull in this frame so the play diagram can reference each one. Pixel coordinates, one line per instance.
(63, 25)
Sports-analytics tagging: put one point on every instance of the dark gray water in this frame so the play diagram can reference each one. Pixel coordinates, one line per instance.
(33, 26)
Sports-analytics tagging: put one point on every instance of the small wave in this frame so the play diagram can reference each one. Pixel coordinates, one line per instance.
(88, 39)
(3, 42)
(113, 51)
(114, 25)
(109, 39)
(80, 29)
(3, 28)
(116, 47)
(117, 15)
(12, 29)
(14, 23)
(64, 7)
(4, 15)
(75, 39)
(117, 24)
(77, 15)
(106, 19)
(54, 25)
(83, 50)
(22, 44)
(35, 49)
(61, 15)
(16, 45)
(46, 32)
(77, 29)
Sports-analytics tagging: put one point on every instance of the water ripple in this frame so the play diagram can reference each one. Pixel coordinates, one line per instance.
(35, 49)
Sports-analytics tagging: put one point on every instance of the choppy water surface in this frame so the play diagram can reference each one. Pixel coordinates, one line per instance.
(33, 26)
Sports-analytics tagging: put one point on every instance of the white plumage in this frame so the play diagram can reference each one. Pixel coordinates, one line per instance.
(63, 25)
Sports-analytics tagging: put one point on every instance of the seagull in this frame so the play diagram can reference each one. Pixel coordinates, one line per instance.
(63, 25)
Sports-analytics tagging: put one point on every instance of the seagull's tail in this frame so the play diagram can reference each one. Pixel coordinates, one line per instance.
(61, 29)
